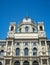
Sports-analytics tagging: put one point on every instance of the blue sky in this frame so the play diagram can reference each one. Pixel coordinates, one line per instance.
(15, 10)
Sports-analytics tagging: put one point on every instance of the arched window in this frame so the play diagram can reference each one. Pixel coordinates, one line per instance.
(26, 63)
(35, 63)
(12, 28)
(26, 29)
(33, 29)
(0, 63)
(34, 51)
(16, 63)
(26, 51)
(17, 51)
(20, 30)
(41, 28)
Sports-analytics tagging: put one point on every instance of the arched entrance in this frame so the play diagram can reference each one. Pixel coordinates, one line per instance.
(16, 63)
(0, 63)
(35, 63)
(26, 63)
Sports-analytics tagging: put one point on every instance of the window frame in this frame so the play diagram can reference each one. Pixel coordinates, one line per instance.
(43, 43)
(17, 51)
(12, 28)
(41, 28)
(26, 51)
(33, 29)
(26, 29)
(20, 29)
(35, 51)
(44, 61)
(7, 61)
(9, 43)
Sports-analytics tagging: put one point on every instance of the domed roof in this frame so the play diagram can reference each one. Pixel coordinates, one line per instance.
(27, 19)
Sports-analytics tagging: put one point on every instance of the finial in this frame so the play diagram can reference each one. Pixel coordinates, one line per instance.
(27, 17)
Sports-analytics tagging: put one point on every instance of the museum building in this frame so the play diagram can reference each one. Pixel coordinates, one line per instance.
(25, 44)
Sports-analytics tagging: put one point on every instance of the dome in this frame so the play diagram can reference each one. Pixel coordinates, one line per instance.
(26, 19)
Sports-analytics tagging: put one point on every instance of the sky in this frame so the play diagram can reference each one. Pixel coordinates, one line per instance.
(16, 10)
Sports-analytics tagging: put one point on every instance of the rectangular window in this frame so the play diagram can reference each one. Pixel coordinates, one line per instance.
(2, 44)
(17, 43)
(0, 52)
(34, 43)
(26, 43)
(43, 53)
(44, 61)
(35, 53)
(43, 43)
(9, 43)
(7, 62)
(49, 52)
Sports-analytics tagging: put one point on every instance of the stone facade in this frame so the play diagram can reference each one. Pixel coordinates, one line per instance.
(25, 44)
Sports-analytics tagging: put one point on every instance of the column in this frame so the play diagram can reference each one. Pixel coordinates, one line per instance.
(11, 62)
(41, 62)
(30, 49)
(6, 47)
(21, 47)
(4, 62)
(30, 62)
(47, 62)
(21, 62)
(12, 48)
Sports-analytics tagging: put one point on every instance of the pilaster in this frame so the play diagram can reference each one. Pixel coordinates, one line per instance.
(30, 62)
(10, 62)
(41, 62)
(4, 61)
(21, 62)
(47, 62)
